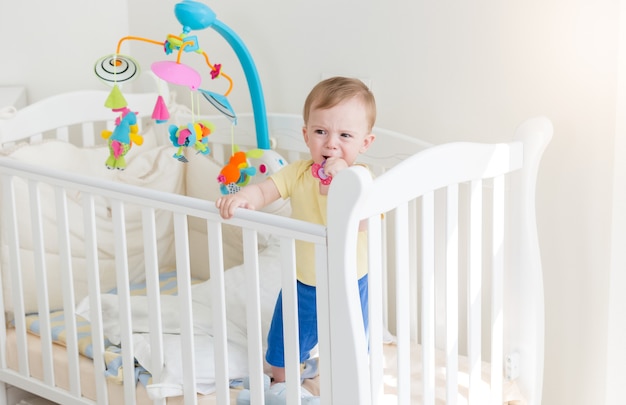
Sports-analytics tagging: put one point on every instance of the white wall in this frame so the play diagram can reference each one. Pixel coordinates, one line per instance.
(616, 373)
(442, 70)
(52, 46)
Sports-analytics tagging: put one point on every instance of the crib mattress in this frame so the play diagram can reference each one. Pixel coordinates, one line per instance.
(511, 393)
(115, 391)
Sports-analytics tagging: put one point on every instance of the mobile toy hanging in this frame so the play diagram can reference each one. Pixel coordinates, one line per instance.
(192, 135)
(117, 69)
(122, 138)
(238, 171)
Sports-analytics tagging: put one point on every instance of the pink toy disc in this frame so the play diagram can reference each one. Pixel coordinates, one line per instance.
(177, 73)
(318, 172)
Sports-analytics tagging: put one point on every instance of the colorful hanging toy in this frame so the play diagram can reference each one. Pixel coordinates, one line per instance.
(192, 135)
(121, 139)
(238, 171)
(117, 69)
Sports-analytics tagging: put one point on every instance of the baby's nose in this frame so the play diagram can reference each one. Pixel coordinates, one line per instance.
(331, 142)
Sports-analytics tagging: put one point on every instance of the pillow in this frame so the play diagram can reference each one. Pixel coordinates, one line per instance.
(151, 168)
(58, 331)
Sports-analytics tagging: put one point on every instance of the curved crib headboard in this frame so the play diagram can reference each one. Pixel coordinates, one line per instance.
(524, 305)
(65, 110)
(508, 172)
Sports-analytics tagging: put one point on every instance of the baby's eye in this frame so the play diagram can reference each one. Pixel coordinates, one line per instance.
(319, 131)
(346, 135)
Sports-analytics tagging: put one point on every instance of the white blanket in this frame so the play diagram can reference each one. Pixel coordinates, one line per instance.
(234, 281)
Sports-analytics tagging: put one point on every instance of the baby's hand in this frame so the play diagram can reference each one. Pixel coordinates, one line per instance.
(334, 165)
(228, 204)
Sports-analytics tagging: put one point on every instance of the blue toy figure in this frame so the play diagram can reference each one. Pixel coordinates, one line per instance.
(121, 139)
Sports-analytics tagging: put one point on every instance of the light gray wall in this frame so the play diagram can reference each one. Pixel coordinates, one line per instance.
(440, 70)
(51, 47)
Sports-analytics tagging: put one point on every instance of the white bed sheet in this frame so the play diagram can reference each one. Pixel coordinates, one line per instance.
(234, 282)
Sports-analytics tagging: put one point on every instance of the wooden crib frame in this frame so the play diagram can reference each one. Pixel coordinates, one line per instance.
(349, 373)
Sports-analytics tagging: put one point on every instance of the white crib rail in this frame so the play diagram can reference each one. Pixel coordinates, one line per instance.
(471, 178)
(182, 208)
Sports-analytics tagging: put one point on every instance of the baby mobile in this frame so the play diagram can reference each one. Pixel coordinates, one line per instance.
(117, 69)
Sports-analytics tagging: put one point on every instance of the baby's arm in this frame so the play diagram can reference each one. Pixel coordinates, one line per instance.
(252, 196)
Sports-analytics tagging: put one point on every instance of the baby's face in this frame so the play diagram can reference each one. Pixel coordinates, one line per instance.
(341, 131)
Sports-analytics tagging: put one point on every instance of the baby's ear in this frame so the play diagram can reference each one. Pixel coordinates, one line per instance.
(305, 135)
(367, 141)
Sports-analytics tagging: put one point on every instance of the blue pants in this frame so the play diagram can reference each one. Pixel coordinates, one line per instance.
(307, 323)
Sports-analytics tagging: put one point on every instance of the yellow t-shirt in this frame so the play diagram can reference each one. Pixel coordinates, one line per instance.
(295, 181)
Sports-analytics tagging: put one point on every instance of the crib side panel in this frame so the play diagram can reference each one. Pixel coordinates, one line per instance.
(443, 245)
(119, 334)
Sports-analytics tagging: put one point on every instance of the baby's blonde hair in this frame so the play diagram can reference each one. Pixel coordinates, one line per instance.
(330, 92)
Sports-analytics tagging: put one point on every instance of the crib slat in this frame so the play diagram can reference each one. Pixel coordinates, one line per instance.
(290, 319)
(216, 265)
(413, 271)
(3, 324)
(323, 312)
(123, 294)
(69, 302)
(385, 273)
(474, 303)
(42, 278)
(219, 153)
(375, 308)
(63, 134)
(88, 134)
(10, 218)
(153, 292)
(497, 288)
(95, 306)
(183, 278)
(110, 125)
(402, 303)
(428, 298)
(452, 293)
(253, 313)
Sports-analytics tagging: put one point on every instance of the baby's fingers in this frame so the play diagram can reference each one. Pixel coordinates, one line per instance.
(334, 166)
(223, 204)
(227, 206)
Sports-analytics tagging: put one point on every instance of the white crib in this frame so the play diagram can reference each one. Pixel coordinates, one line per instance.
(455, 271)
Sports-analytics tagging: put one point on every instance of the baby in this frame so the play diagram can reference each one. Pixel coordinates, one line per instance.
(339, 114)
